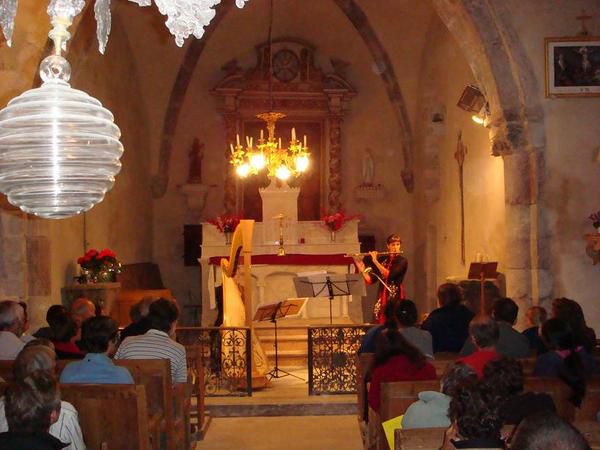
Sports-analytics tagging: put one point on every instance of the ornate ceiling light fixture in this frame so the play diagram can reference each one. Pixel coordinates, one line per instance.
(59, 148)
(280, 162)
(184, 17)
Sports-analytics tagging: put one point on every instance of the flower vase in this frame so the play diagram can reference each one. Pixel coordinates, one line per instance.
(332, 236)
(228, 235)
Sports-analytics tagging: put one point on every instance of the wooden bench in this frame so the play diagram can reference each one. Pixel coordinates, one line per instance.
(111, 416)
(196, 375)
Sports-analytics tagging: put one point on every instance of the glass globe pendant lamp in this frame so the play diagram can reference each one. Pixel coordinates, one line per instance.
(59, 147)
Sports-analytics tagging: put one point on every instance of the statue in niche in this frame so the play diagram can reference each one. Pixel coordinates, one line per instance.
(368, 168)
(195, 156)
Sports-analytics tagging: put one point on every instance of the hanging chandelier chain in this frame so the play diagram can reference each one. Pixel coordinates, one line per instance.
(270, 39)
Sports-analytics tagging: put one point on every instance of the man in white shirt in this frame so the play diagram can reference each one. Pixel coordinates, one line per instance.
(11, 329)
(157, 343)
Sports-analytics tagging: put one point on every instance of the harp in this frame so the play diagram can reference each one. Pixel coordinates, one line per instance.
(237, 304)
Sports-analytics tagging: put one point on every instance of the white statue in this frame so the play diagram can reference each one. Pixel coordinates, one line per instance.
(368, 168)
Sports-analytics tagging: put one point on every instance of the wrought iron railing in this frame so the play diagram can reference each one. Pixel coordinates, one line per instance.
(225, 354)
(331, 358)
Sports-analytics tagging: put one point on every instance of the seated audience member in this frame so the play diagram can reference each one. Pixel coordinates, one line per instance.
(139, 318)
(431, 410)
(37, 359)
(536, 316)
(565, 359)
(505, 376)
(81, 310)
(396, 359)
(99, 336)
(484, 335)
(156, 343)
(53, 312)
(64, 331)
(406, 318)
(449, 324)
(11, 329)
(476, 422)
(547, 431)
(32, 405)
(570, 312)
(510, 343)
(25, 337)
(367, 344)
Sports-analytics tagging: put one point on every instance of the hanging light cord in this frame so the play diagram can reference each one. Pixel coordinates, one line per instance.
(270, 38)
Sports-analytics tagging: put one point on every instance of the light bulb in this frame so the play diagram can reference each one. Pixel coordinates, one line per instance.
(301, 163)
(477, 119)
(283, 173)
(257, 161)
(243, 170)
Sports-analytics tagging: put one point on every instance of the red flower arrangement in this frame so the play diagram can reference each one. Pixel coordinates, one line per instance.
(595, 218)
(225, 223)
(337, 220)
(98, 266)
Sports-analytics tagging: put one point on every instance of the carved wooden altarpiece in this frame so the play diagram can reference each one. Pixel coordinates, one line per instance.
(314, 102)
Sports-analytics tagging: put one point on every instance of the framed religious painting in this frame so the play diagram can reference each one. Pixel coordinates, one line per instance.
(573, 66)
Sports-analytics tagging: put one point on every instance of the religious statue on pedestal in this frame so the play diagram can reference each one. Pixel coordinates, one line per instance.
(195, 156)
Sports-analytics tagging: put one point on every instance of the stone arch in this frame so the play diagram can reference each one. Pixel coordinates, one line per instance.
(367, 33)
(490, 44)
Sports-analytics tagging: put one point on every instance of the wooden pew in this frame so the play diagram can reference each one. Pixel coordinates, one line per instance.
(363, 366)
(557, 389)
(419, 438)
(196, 375)
(113, 416)
(591, 402)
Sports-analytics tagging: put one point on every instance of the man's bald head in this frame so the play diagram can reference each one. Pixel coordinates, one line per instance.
(82, 309)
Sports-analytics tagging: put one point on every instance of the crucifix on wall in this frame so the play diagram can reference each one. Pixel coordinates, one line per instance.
(459, 155)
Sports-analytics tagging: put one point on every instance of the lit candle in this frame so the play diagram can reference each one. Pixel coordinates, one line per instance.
(231, 147)
(261, 135)
(304, 141)
(251, 142)
(237, 138)
(247, 141)
(279, 142)
(293, 135)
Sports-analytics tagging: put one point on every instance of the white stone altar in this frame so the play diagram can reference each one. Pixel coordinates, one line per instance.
(274, 282)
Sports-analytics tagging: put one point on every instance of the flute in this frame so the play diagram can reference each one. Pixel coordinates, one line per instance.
(352, 255)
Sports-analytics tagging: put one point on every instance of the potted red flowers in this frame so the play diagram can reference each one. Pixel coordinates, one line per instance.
(99, 267)
(226, 224)
(336, 221)
(595, 218)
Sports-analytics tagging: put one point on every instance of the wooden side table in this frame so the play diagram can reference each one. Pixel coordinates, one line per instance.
(593, 246)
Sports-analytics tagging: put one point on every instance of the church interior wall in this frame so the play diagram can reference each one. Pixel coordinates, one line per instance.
(444, 74)
(571, 182)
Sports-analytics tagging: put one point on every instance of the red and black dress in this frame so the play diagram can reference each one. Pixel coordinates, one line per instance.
(396, 266)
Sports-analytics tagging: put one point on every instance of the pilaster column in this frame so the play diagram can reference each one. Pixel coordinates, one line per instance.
(229, 202)
(335, 162)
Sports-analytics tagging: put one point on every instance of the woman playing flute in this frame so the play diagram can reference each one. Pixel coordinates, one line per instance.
(388, 271)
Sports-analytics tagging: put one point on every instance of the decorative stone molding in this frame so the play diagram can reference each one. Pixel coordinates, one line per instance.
(309, 93)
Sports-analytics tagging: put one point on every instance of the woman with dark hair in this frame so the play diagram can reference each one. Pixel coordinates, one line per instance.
(449, 324)
(566, 359)
(389, 269)
(406, 318)
(505, 377)
(570, 312)
(396, 360)
(64, 332)
(475, 415)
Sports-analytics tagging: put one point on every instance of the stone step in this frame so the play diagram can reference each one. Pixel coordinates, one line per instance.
(288, 358)
(282, 409)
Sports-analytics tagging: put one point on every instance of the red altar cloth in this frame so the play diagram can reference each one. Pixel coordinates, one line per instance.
(295, 259)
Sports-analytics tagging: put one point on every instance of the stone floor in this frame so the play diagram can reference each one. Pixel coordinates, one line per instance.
(288, 433)
(283, 416)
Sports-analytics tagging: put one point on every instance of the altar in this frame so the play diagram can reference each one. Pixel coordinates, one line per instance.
(309, 247)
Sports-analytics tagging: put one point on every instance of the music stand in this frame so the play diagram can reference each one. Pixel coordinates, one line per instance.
(331, 286)
(271, 313)
(480, 271)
